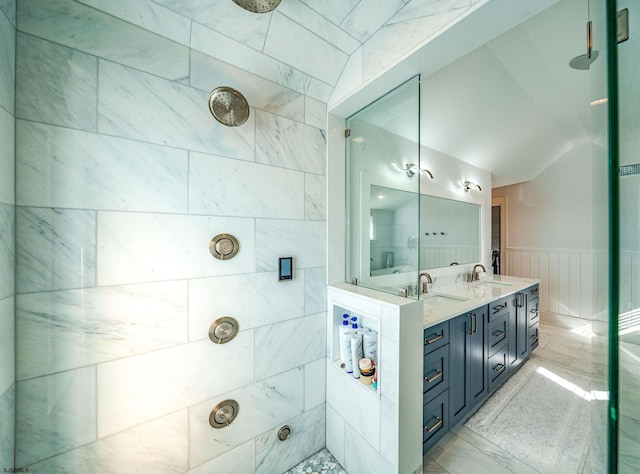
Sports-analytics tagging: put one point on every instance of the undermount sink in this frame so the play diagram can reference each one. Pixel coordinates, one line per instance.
(499, 284)
(442, 300)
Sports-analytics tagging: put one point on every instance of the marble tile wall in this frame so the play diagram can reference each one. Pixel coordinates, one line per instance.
(122, 179)
(7, 233)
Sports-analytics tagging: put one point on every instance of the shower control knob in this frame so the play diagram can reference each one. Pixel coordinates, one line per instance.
(223, 330)
(223, 414)
(224, 246)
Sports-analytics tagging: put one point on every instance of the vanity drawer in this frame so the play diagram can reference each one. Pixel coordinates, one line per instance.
(435, 421)
(498, 367)
(498, 332)
(533, 316)
(534, 336)
(533, 291)
(499, 308)
(435, 373)
(436, 337)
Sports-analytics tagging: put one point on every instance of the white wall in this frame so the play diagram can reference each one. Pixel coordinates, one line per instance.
(555, 233)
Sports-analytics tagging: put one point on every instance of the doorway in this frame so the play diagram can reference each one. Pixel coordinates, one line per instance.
(498, 235)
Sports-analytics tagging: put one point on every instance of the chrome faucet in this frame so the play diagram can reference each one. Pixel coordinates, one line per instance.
(425, 285)
(475, 274)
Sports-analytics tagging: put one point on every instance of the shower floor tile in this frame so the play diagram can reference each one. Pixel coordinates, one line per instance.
(320, 463)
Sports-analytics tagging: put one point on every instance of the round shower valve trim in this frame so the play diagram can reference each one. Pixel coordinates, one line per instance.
(223, 414)
(223, 330)
(224, 246)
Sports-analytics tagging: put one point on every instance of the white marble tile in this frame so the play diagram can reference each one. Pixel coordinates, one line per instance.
(310, 19)
(289, 344)
(233, 52)
(334, 10)
(55, 249)
(7, 64)
(7, 251)
(315, 290)
(87, 29)
(7, 344)
(148, 15)
(7, 157)
(303, 240)
(55, 85)
(262, 406)
(288, 144)
(360, 457)
(389, 386)
(361, 24)
(254, 300)
(315, 197)
(291, 43)
(130, 246)
(55, 413)
(208, 73)
(136, 105)
(319, 90)
(7, 427)
(8, 7)
(67, 329)
(139, 388)
(157, 446)
(335, 434)
(315, 381)
(351, 77)
(363, 417)
(59, 167)
(240, 460)
(229, 187)
(307, 437)
(226, 18)
(315, 113)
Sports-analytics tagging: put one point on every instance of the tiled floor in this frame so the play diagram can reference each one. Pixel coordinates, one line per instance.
(547, 418)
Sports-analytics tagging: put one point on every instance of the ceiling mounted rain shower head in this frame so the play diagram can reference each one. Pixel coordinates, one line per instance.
(228, 106)
(584, 61)
(258, 6)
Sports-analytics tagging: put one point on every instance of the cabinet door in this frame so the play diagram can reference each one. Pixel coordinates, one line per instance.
(458, 356)
(478, 354)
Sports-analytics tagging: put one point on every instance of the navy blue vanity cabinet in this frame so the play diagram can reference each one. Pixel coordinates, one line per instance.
(499, 335)
(533, 318)
(468, 357)
(435, 414)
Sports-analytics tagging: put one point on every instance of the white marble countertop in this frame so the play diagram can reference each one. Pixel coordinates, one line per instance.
(458, 298)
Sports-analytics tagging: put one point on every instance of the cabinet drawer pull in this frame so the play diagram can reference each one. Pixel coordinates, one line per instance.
(433, 339)
(534, 311)
(500, 368)
(435, 426)
(534, 292)
(499, 308)
(499, 333)
(434, 377)
(534, 339)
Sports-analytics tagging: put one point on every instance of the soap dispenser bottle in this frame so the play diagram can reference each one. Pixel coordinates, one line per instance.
(344, 327)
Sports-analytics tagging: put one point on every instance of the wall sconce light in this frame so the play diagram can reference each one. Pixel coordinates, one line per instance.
(412, 170)
(468, 186)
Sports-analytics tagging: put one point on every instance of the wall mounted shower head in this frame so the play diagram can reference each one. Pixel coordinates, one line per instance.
(258, 6)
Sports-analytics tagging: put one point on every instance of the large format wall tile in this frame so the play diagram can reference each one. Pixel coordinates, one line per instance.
(334, 10)
(208, 73)
(7, 345)
(302, 240)
(315, 377)
(58, 167)
(136, 105)
(8, 7)
(272, 455)
(289, 344)
(262, 406)
(228, 187)
(7, 64)
(7, 427)
(55, 249)
(315, 197)
(362, 24)
(139, 388)
(315, 290)
(86, 29)
(240, 460)
(158, 446)
(135, 247)
(288, 144)
(66, 329)
(254, 300)
(7, 251)
(233, 52)
(55, 85)
(291, 43)
(7, 157)
(54, 414)
(148, 15)
(360, 457)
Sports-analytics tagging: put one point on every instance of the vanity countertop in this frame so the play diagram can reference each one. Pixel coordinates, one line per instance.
(449, 301)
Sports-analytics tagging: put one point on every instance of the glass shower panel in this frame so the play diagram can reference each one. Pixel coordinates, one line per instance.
(628, 89)
(382, 189)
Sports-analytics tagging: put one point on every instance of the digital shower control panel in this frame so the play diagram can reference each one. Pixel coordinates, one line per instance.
(285, 268)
